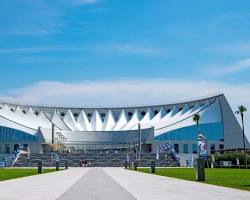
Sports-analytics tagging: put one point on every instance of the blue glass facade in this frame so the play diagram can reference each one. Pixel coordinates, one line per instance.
(185, 148)
(194, 148)
(212, 132)
(13, 135)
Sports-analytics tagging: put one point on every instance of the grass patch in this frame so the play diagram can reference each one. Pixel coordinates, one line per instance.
(233, 178)
(10, 173)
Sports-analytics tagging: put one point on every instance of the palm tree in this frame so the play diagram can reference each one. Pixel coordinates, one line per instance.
(241, 110)
(196, 119)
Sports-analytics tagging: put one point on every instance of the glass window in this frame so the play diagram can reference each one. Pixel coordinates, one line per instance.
(7, 148)
(212, 148)
(221, 146)
(16, 147)
(194, 148)
(176, 148)
(185, 148)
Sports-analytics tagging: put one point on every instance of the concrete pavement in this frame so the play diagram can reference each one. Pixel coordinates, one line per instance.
(112, 183)
(147, 187)
(47, 186)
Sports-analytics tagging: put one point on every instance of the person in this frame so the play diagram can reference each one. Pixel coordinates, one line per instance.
(80, 163)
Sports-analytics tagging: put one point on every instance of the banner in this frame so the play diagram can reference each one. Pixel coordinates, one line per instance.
(169, 149)
(157, 152)
(202, 146)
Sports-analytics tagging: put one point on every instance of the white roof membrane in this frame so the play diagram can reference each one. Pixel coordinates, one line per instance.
(70, 121)
(96, 121)
(121, 122)
(83, 122)
(109, 121)
(133, 121)
(58, 121)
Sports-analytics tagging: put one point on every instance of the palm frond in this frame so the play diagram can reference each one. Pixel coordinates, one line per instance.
(241, 110)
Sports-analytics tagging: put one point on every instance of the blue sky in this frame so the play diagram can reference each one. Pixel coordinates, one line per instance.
(69, 45)
(75, 40)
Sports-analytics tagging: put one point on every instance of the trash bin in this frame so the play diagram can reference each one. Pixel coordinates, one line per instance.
(200, 169)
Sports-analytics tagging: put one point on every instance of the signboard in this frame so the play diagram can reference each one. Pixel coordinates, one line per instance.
(56, 158)
(2, 164)
(237, 161)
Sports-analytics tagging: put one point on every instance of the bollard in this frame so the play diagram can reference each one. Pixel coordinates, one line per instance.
(40, 167)
(66, 165)
(57, 166)
(135, 165)
(152, 163)
(126, 164)
(200, 169)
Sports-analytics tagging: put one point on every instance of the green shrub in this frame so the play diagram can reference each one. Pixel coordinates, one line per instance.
(232, 157)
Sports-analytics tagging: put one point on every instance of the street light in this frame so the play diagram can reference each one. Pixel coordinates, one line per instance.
(53, 133)
(59, 140)
(139, 129)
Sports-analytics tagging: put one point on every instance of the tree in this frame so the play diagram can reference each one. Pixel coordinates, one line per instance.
(241, 110)
(196, 119)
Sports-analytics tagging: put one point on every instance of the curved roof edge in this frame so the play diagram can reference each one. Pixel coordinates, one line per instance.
(202, 98)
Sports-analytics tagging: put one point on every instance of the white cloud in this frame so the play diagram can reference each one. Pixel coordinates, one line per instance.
(127, 92)
(127, 49)
(88, 1)
(38, 49)
(83, 2)
(119, 92)
(135, 49)
(100, 49)
(26, 49)
(220, 70)
(242, 48)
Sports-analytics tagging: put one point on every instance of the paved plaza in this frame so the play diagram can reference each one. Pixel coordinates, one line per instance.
(112, 183)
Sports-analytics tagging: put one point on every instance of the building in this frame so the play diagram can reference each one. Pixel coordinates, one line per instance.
(40, 128)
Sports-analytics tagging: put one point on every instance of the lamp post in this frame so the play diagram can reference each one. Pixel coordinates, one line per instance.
(200, 162)
(196, 119)
(241, 110)
(139, 129)
(53, 133)
(58, 140)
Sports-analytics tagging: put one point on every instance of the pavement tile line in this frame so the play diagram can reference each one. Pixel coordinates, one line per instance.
(96, 184)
